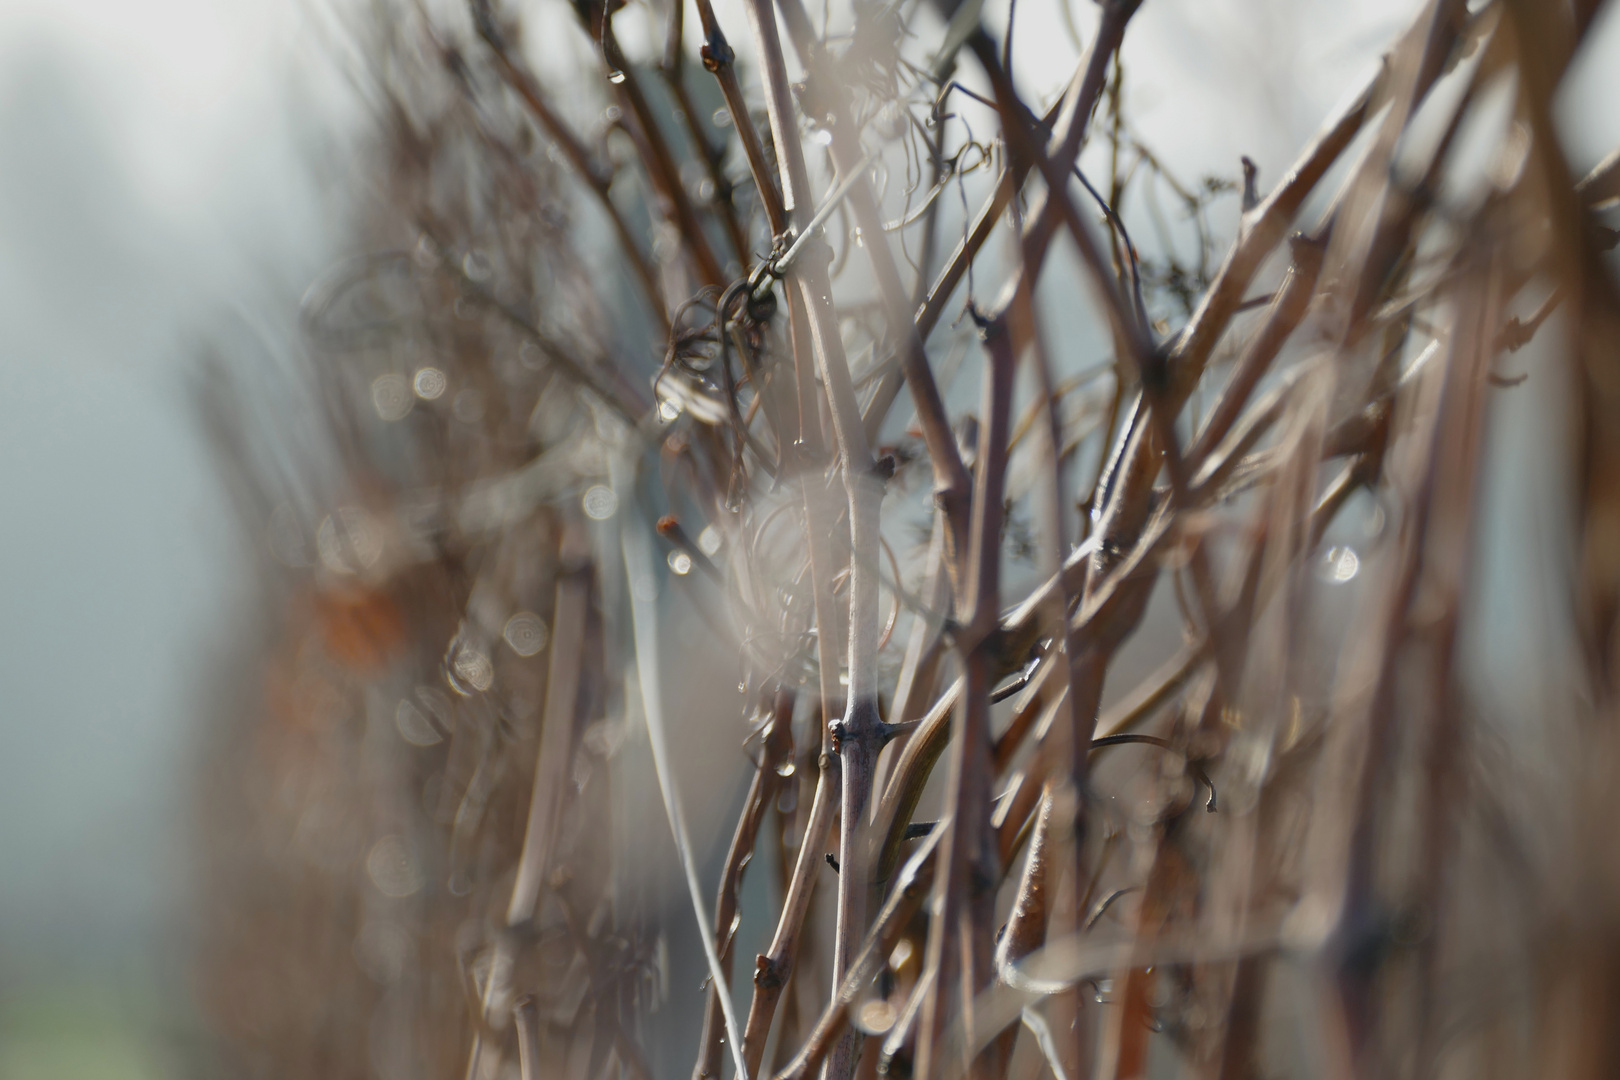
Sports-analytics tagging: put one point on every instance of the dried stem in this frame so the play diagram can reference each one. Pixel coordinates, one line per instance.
(776, 744)
(595, 176)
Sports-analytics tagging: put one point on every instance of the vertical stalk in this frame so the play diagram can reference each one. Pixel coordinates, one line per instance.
(762, 792)
(964, 889)
(719, 59)
(859, 735)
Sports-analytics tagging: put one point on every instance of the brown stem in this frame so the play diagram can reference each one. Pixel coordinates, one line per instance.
(964, 892)
(1285, 313)
(762, 792)
(1035, 236)
(719, 59)
(774, 968)
(655, 153)
(596, 176)
(860, 735)
(714, 157)
(912, 885)
(528, 1037)
(1069, 119)
(1069, 131)
(910, 776)
(950, 476)
(1026, 925)
(1265, 227)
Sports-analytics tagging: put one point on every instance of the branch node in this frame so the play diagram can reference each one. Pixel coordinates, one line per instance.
(767, 973)
(716, 52)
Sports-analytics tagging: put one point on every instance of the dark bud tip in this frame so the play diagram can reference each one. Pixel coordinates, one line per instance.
(716, 53)
(667, 524)
(883, 468)
(1251, 190)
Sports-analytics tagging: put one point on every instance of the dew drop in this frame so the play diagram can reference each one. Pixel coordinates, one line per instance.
(680, 562)
(415, 728)
(476, 265)
(616, 77)
(392, 868)
(600, 503)
(429, 383)
(786, 769)
(470, 670)
(391, 397)
(425, 254)
(1340, 564)
(525, 633)
(349, 541)
(876, 1017)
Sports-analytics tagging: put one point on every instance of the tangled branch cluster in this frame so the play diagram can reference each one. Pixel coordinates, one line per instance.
(730, 317)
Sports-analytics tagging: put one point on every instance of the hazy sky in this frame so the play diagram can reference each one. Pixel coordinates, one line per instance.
(150, 181)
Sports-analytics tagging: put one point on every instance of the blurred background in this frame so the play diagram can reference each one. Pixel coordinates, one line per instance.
(159, 176)
(173, 174)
